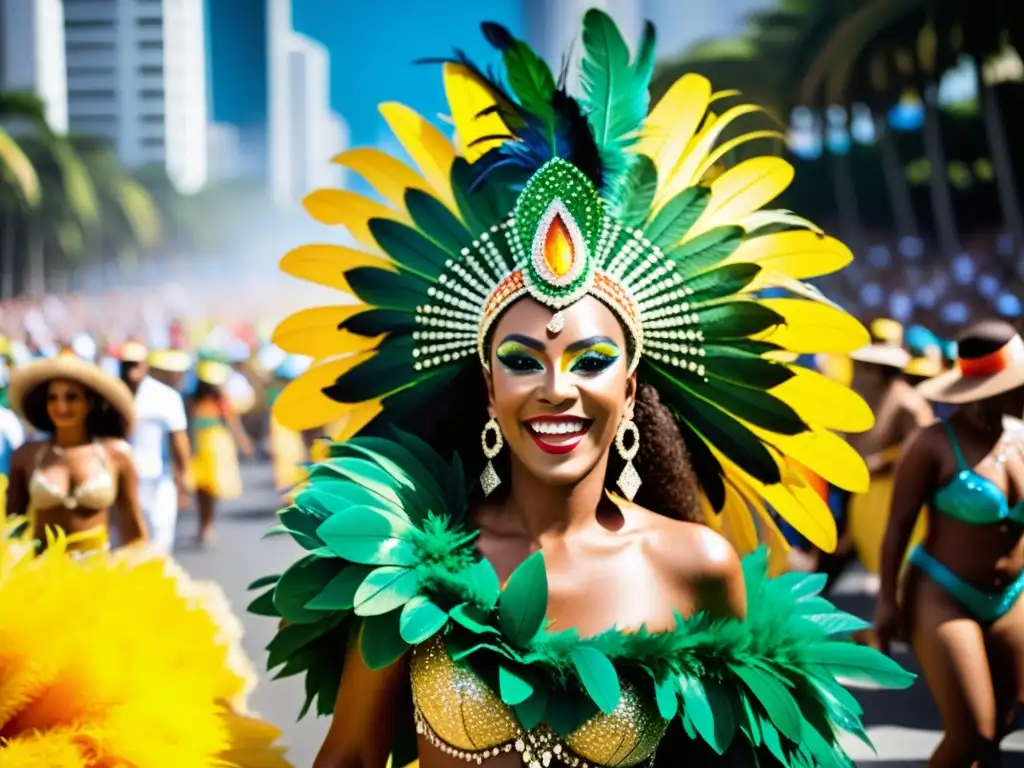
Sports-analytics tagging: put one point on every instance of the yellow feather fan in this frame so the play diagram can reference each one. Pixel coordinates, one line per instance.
(120, 659)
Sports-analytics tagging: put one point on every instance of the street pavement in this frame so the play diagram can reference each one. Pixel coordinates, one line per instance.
(903, 725)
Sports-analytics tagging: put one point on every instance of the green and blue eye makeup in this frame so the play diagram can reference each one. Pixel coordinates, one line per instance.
(518, 356)
(521, 354)
(591, 356)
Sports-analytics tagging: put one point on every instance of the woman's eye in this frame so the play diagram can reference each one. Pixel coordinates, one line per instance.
(592, 362)
(520, 363)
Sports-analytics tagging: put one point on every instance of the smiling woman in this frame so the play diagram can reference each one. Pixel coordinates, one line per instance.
(568, 313)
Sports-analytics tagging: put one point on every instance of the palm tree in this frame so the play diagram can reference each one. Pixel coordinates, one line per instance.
(20, 193)
(916, 42)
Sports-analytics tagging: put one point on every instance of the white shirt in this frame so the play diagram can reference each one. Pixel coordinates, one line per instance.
(159, 412)
(12, 435)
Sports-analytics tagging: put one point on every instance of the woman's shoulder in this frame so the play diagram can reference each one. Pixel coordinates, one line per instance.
(686, 551)
(118, 449)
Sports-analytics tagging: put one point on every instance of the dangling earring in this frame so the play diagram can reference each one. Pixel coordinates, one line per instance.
(489, 480)
(629, 479)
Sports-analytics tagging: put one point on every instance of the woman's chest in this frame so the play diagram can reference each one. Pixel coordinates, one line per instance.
(592, 588)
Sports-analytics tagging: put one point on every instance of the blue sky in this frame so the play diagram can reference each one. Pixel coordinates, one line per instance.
(372, 51)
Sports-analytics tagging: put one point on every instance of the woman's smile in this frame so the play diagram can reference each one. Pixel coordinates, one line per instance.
(558, 434)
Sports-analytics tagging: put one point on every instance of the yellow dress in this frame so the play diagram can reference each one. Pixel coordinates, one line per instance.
(215, 456)
(869, 518)
(288, 452)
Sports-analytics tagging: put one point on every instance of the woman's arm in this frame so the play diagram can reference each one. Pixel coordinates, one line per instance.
(17, 485)
(130, 518)
(364, 712)
(235, 425)
(916, 477)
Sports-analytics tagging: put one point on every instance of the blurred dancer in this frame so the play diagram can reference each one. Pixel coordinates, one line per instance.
(84, 469)
(899, 411)
(959, 605)
(218, 436)
(160, 446)
(169, 366)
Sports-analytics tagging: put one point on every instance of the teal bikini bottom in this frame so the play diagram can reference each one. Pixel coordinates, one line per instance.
(985, 607)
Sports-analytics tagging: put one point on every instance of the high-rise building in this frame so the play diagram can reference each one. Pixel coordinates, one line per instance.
(32, 54)
(137, 76)
(304, 132)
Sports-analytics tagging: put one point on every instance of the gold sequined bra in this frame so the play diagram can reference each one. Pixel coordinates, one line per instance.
(460, 715)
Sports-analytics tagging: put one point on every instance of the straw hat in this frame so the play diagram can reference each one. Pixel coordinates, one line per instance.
(990, 361)
(133, 352)
(113, 393)
(886, 347)
(213, 372)
(170, 360)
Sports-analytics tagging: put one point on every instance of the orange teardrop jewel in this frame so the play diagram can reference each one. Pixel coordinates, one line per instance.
(559, 254)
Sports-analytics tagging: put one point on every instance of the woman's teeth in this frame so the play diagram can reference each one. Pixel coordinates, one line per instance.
(558, 427)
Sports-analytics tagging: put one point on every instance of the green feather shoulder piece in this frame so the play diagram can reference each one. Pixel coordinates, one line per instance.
(387, 552)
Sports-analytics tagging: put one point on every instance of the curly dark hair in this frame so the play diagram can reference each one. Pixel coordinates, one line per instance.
(102, 421)
(670, 485)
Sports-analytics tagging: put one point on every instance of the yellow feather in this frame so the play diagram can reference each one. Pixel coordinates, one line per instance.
(793, 500)
(723, 149)
(426, 145)
(354, 420)
(741, 190)
(810, 327)
(760, 219)
(303, 405)
(314, 333)
(326, 264)
(767, 279)
(467, 98)
(672, 123)
(799, 254)
(824, 453)
(837, 368)
(386, 174)
(684, 172)
(825, 403)
(352, 211)
(737, 522)
(768, 530)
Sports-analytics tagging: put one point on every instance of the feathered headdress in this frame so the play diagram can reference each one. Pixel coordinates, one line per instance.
(555, 196)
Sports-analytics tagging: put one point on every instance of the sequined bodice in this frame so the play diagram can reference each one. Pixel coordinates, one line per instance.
(462, 716)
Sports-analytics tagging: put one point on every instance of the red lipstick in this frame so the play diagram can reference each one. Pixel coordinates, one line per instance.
(557, 443)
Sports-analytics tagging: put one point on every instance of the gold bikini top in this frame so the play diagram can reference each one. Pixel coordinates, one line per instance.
(463, 717)
(98, 491)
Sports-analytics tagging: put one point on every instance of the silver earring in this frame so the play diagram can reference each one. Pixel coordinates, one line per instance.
(489, 480)
(629, 479)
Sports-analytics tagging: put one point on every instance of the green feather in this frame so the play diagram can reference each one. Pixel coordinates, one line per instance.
(339, 594)
(856, 662)
(381, 643)
(705, 251)
(523, 603)
(421, 619)
(697, 708)
(386, 289)
(530, 713)
(638, 194)
(408, 248)
(598, 676)
(365, 536)
(718, 428)
(674, 220)
(264, 605)
(390, 370)
(707, 467)
(386, 589)
(723, 711)
(514, 684)
(531, 81)
(721, 282)
(778, 703)
(760, 408)
(263, 581)
(615, 93)
(483, 205)
(291, 639)
(377, 322)
(752, 372)
(435, 221)
(303, 581)
(737, 320)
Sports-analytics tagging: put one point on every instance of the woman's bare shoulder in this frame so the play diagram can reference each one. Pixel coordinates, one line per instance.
(26, 453)
(686, 551)
(118, 449)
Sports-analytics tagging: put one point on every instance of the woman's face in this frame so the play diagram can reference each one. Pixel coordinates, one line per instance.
(559, 398)
(67, 403)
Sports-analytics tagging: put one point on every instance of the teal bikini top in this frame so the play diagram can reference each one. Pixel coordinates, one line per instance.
(971, 498)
